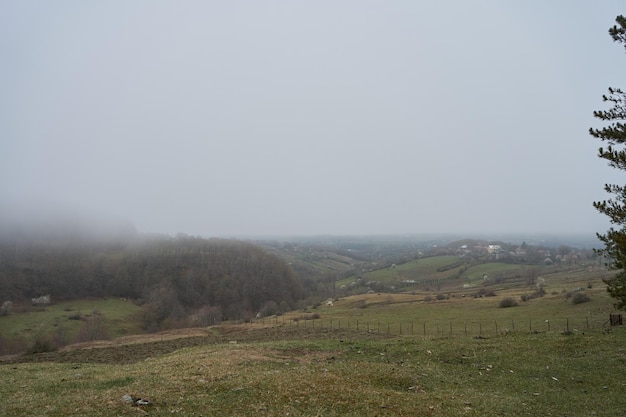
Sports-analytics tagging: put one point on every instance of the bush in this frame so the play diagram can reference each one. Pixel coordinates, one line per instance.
(580, 297)
(484, 292)
(41, 344)
(269, 308)
(6, 307)
(92, 329)
(75, 316)
(314, 316)
(508, 302)
(11, 346)
(539, 293)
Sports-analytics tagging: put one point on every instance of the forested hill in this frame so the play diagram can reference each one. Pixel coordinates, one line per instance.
(175, 276)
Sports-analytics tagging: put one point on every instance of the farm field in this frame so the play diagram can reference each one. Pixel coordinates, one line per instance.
(441, 273)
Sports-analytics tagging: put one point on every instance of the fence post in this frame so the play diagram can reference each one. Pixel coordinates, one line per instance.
(424, 329)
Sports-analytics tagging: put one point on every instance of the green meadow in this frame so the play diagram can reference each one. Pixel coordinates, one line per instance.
(348, 374)
(65, 319)
(438, 272)
(449, 352)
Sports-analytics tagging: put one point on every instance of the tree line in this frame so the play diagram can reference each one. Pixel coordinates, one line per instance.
(172, 277)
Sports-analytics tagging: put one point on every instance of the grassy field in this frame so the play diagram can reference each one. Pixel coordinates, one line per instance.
(401, 354)
(437, 272)
(521, 374)
(65, 319)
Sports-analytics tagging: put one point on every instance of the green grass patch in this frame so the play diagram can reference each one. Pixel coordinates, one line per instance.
(519, 374)
(63, 320)
(425, 271)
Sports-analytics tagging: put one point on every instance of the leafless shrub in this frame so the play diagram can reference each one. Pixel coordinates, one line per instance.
(93, 328)
(508, 302)
(580, 297)
(314, 316)
(41, 344)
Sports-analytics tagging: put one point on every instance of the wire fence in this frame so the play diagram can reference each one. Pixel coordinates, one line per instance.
(442, 328)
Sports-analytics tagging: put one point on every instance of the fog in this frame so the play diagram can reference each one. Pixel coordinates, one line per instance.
(258, 118)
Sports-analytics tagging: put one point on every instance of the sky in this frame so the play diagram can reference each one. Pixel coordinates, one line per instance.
(259, 118)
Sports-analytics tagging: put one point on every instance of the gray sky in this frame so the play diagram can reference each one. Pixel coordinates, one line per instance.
(222, 118)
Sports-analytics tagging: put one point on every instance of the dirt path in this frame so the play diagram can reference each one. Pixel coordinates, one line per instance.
(136, 348)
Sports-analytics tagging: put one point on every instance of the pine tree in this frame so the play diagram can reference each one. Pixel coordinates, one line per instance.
(614, 136)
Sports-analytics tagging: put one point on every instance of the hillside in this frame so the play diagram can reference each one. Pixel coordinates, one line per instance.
(172, 277)
(370, 354)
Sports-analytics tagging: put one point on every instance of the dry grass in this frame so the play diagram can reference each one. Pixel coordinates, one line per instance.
(518, 374)
(326, 367)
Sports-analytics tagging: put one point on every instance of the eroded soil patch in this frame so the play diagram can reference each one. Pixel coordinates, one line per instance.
(141, 347)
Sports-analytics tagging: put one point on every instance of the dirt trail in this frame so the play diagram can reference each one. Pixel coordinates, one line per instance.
(131, 349)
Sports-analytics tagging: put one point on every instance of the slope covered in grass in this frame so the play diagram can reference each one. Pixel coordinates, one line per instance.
(519, 374)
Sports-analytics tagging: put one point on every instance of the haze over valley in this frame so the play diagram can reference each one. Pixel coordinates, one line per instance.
(295, 119)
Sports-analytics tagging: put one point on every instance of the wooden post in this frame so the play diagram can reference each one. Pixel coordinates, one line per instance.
(615, 319)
